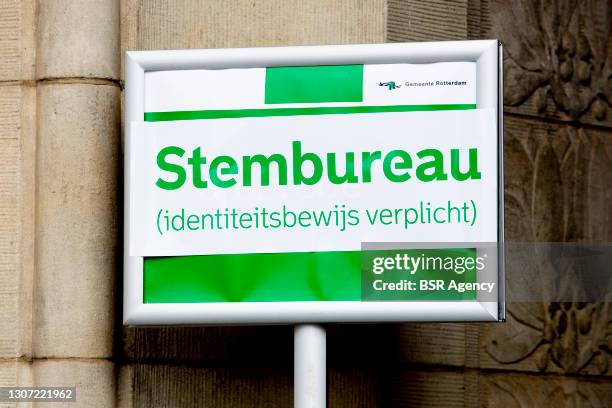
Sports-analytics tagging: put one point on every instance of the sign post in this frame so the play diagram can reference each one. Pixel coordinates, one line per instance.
(309, 366)
(304, 185)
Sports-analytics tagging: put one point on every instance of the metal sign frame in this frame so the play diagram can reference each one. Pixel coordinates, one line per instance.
(487, 54)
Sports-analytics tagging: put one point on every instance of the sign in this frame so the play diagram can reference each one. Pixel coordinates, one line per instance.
(310, 184)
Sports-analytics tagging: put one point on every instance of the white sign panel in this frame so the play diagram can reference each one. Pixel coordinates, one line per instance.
(309, 184)
(302, 184)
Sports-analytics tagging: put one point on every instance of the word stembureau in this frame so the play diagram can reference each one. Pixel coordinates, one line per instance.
(309, 168)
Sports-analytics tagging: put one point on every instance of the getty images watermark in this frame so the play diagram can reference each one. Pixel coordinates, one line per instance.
(549, 272)
(429, 271)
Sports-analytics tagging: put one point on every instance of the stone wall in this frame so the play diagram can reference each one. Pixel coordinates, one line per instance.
(60, 154)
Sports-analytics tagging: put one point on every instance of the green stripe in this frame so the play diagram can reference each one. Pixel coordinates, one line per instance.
(253, 277)
(312, 84)
(326, 110)
(287, 277)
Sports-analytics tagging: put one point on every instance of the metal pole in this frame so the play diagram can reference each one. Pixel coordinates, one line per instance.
(310, 366)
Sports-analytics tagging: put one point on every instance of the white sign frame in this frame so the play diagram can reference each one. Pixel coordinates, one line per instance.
(488, 57)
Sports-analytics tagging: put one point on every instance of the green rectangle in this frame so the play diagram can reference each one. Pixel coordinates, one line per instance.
(314, 84)
(297, 276)
(292, 277)
(310, 111)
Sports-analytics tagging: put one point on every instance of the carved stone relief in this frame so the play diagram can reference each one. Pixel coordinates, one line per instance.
(558, 57)
(558, 188)
(523, 392)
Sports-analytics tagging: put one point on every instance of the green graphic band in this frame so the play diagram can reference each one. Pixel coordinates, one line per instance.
(253, 277)
(313, 84)
(267, 112)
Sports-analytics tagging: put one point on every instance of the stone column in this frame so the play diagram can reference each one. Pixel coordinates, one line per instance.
(17, 152)
(77, 184)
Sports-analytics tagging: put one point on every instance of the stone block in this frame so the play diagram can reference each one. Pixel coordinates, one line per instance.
(78, 39)
(426, 388)
(434, 20)
(188, 386)
(436, 388)
(265, 346)
(125, 387)
(94, 380)
(511, 390)
(17, 40)
(181, 24)
(248, 346)
(169, 385)
(17, 138)
(350, 388)
(433, 343)
(78, 160)
(16, 373)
